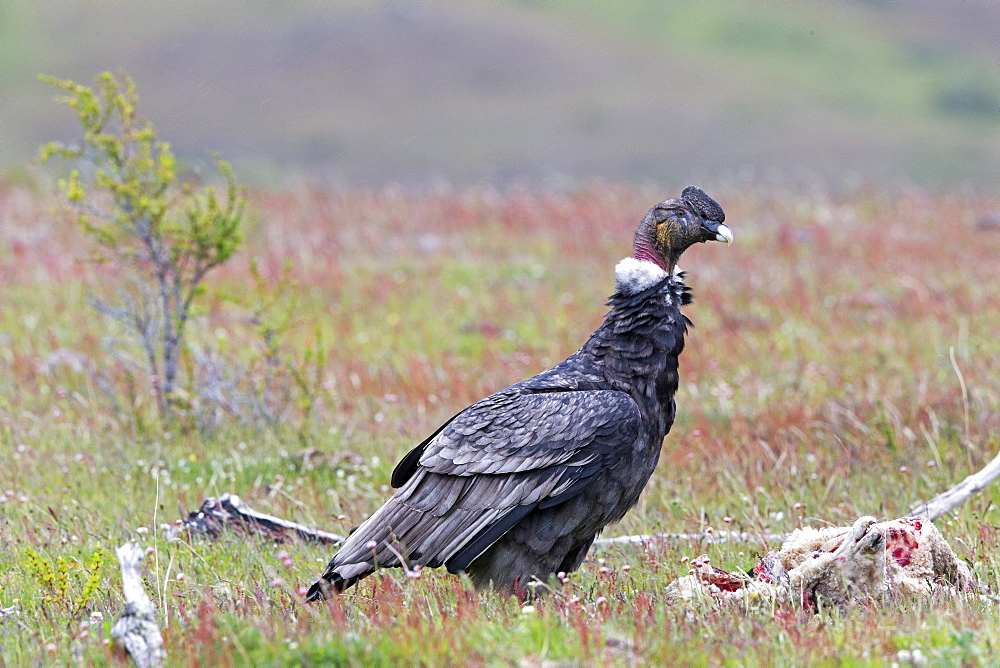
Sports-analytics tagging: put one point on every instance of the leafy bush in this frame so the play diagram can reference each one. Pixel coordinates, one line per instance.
(64, 584)
(163, 236)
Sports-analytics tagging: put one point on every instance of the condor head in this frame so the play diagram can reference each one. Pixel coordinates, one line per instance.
(672, 226)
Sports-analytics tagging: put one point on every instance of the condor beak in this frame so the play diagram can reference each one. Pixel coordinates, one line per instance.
(720, 231)
(724, 234)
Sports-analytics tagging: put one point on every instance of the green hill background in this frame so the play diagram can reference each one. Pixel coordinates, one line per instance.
(364, 93)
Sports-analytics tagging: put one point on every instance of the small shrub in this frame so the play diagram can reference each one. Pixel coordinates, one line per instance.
(64, 584)
(162, 236)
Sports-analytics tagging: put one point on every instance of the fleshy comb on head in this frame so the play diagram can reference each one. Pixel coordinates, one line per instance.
(706, 207)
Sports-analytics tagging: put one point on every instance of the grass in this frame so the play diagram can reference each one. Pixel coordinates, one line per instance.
(819, 384)
(835, 53)
(494, 91)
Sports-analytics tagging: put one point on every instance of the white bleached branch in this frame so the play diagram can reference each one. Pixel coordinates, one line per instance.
(136, 629)
(960, 493)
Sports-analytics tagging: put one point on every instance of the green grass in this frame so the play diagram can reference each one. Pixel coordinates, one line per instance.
(832, 52)
(820, 365)
(492, 91)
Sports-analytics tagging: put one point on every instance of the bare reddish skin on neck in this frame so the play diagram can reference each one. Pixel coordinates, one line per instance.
(644, 252)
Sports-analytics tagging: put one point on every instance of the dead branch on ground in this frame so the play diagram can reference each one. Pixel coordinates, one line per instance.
(960, 493)
(230, 512)
(136, 628)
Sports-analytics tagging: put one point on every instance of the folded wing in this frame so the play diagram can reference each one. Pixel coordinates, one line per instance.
(484, 471)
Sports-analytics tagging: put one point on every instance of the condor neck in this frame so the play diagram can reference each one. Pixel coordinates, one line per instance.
(643, 332)
(634, 275)
(643, 251)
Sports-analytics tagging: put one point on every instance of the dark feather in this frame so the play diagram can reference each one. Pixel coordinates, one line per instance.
(519, 484)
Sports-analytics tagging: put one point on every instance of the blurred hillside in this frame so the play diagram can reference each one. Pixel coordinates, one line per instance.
(493, 91)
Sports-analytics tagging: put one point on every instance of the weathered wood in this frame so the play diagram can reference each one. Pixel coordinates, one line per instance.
(960, 493)
(704, 537)
(935, 508)
(230, 512)
(136, 628)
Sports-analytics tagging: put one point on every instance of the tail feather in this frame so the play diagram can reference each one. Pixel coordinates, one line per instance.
(329, 584)
(434, 519)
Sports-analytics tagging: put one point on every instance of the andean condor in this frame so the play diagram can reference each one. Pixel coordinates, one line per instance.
(518, 485)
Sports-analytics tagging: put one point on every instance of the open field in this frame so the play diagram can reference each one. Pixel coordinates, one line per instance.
(362, 93)
(845, 361)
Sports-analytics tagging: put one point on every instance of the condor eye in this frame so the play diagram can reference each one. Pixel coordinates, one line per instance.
(682, 214)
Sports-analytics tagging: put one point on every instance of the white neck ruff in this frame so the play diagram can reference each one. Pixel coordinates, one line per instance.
(633, 276)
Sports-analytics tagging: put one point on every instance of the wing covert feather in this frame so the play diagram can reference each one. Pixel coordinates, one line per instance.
(513, 433)
(487, 468)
